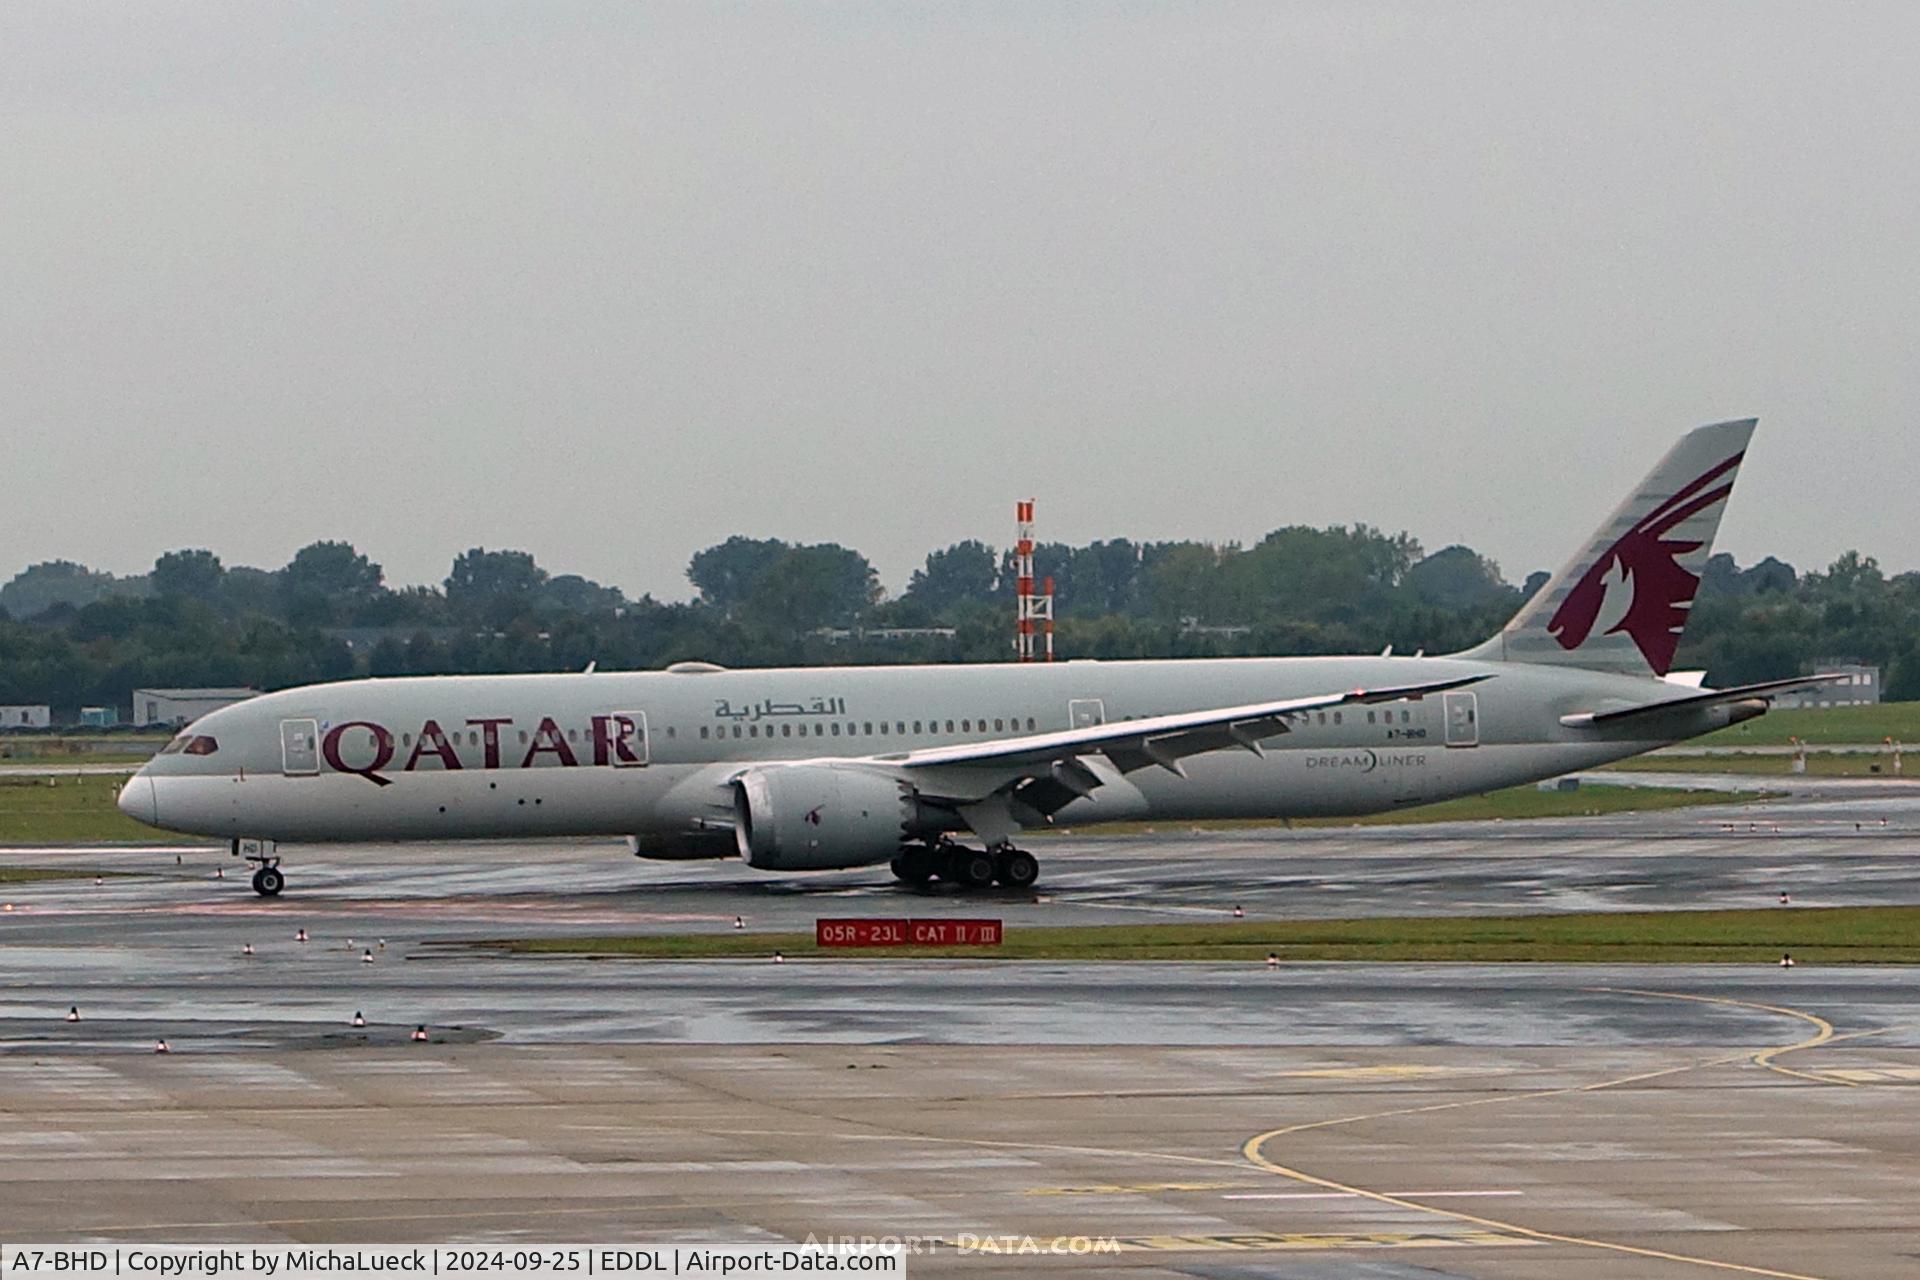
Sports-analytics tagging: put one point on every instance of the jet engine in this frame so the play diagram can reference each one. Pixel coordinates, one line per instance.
(817, 817)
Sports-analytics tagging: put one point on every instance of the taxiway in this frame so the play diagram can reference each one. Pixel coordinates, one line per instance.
(1211, 1120)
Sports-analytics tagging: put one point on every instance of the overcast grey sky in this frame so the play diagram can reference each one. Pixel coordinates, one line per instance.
(610, 282)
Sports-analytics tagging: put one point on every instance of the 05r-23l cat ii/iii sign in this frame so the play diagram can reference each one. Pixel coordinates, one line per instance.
(821, 768)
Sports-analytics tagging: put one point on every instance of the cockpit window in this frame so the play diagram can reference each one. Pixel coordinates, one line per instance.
(175, 747)
(200, 744)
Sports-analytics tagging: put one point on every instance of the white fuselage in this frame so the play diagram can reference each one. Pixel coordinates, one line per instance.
(653, 754)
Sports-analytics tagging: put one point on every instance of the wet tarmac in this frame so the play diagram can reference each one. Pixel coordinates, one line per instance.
(1851, 849)
(1215, 1120)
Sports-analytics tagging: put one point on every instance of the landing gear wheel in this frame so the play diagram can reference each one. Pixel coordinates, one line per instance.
(1016, 868)
(914, 866)
(267, 880)
(970, 868)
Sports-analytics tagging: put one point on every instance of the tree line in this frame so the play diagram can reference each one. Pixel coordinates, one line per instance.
(71, 636)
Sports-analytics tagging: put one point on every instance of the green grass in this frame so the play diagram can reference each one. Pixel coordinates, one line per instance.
(114, 749)
(1530, 802)
(26, 875)
(1898, 720)
(1819, 765)
(74, 810)
(1824, 935)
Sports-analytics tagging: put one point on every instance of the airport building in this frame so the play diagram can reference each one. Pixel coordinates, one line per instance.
(181, 706)
(26, 716)
(1861, 688)
(891, 635)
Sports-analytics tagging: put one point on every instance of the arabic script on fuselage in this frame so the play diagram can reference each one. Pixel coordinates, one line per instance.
(767, 710)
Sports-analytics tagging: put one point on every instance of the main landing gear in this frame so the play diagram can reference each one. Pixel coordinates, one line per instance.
(969, 868)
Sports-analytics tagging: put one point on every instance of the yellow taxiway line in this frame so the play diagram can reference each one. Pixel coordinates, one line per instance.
(1823, 1030)
(1253, 1149)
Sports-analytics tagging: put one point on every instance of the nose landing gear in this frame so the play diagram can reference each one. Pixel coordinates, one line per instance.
(268, 880)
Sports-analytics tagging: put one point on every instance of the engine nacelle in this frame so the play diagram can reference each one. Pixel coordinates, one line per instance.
(818, 817)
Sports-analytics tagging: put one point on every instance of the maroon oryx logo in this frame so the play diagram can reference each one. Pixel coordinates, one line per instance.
(1646, 564)
(812, 816)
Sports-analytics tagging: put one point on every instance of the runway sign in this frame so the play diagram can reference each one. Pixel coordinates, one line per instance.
(955, 933)
(860, 933)
(868, 932)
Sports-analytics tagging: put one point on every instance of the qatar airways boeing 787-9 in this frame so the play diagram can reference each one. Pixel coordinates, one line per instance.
(816, 768)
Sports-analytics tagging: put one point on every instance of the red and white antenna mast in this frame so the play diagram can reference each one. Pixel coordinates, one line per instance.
(1034, 614)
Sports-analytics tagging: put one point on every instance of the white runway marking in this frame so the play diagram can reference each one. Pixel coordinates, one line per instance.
(1158, 909)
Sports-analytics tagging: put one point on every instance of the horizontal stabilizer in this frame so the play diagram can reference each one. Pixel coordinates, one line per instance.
(1739, 693)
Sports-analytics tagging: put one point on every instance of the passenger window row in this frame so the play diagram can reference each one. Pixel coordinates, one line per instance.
(871, 728)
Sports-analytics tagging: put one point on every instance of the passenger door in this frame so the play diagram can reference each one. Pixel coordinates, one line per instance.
(299, 747)
(629, 728)
(1463, 718)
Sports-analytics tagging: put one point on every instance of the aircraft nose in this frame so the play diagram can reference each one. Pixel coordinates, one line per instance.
(139, 801)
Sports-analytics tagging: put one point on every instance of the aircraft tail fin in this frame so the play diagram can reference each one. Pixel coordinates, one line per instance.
(1622, 602)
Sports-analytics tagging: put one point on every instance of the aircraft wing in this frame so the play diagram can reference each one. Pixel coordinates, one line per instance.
(1161, 740)
(1738, 693)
